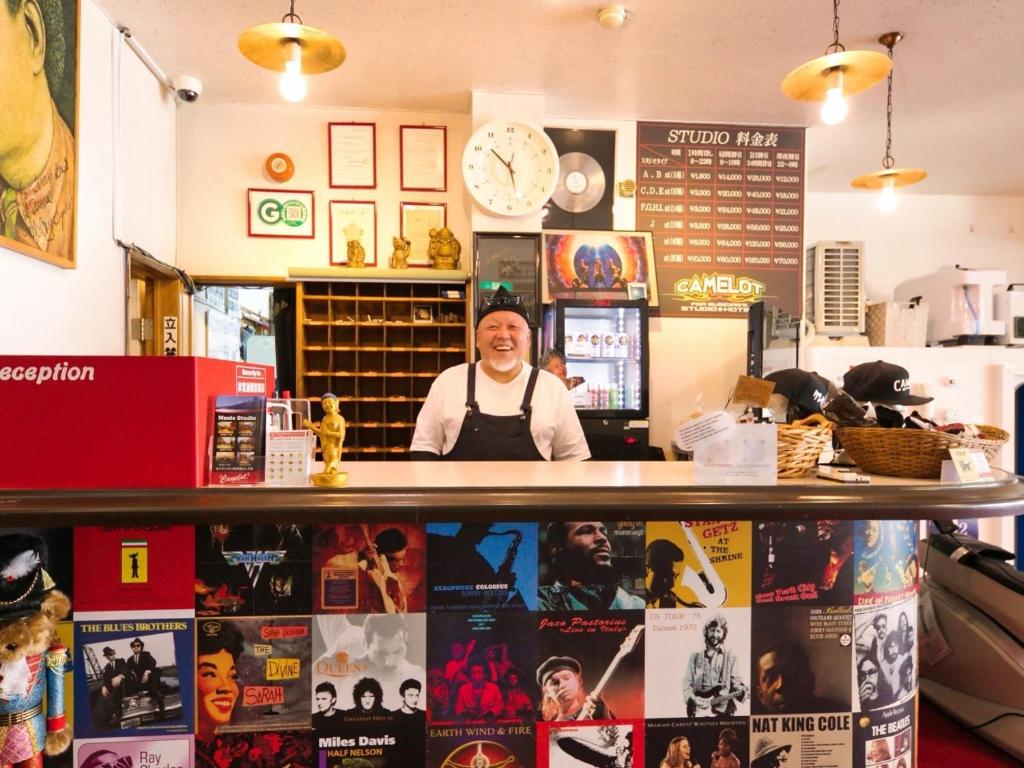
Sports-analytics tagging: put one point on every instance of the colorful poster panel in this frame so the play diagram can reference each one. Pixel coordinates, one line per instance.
(252, 674)
(482, 566)
(246, 570)
(591, 566)
(581, 745)
(273, 749)
(800, 659)
(393, 744)
(481, 667)
(140, 568)
(354, 655)
(369, 568)
(697, 564)
(468, 746)
(885, 660)
(699, 663)
(712, 742)
(134, 677)
(164, 752)
(886, 561)
(885, 737)
(823, 740)
(57, 556)
(809, 562)
(576, 651)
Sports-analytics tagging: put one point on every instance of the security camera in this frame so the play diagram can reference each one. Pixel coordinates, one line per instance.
(188, 88)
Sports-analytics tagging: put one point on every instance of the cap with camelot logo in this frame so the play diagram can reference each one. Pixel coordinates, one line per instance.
(880, 382)
(805, 388)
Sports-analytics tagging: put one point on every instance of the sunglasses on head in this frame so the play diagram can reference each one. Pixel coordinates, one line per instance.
(502, 300)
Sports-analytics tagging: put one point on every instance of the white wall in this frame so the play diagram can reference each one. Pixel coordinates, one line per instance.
(221, 153)
(48, 310)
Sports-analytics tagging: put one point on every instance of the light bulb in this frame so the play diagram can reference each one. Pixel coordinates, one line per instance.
(293, 84)
(887, 199)
(834, 110)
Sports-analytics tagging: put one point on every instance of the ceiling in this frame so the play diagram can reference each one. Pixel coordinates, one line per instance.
(958, 78)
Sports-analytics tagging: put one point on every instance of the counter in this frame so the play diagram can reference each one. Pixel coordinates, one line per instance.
(776, 620)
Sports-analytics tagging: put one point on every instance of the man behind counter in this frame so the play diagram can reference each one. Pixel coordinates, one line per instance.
(499, 408)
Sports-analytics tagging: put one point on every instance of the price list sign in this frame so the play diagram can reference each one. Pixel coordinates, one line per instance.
(725, 205)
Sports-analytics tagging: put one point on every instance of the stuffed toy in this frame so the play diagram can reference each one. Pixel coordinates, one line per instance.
(31, 657)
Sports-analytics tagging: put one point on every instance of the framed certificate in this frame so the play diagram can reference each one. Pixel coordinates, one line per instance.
(352, 155)
(423, 151)
(417, 221)
(281, 213)
(353, 220)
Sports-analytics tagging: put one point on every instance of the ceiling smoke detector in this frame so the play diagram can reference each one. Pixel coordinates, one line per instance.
(611, 16)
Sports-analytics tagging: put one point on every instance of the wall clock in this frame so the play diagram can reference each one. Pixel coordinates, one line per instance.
(510, 168)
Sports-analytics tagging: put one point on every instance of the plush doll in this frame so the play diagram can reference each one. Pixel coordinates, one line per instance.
(31, 656)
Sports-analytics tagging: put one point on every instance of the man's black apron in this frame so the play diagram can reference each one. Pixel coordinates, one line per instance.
(484, 437)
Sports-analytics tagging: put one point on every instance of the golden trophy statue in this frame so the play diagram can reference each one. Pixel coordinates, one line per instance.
(331, 431)
(400, 255)
(444, 250)
(356, 254)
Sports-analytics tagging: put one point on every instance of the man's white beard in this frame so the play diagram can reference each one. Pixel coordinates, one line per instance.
(503, 365)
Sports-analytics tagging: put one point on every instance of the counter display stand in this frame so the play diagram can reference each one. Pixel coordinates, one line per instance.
(766, 622)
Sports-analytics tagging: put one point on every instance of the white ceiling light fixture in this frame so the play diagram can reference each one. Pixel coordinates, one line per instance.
(293, 48)
(612, 16)
(889, 178)
(837, 74)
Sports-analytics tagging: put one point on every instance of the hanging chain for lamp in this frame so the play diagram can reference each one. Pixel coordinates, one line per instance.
(835, 46)
(293, 18)
(887, 161)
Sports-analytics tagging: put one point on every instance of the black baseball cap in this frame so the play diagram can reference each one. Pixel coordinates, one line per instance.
(502, 301)
(880, 382)
(805, 388)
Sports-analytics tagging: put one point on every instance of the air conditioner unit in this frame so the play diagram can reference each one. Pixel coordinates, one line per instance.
(834, 287)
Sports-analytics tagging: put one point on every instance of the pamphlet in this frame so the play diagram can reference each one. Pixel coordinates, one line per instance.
(238, 428)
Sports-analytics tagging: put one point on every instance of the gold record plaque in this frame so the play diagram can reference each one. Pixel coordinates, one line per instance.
(725, 205)
(581, 183)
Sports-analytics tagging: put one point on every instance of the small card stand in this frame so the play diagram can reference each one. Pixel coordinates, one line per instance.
(746, 457)
(290, 447)
(966, 466)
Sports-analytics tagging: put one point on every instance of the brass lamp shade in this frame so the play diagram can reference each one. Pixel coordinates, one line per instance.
(895, 177)
(267, 45)
(861, 70)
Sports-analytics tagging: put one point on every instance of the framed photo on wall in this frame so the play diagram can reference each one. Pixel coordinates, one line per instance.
(353, 220)
(423, 154)
(578, 264)
(281, 213)
(511, 260)
(417, 221)
(352, 155)
(39, 216)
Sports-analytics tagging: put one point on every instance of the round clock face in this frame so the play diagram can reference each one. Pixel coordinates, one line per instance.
(510, 168)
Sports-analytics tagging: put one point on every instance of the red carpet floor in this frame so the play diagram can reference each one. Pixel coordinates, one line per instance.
(944, 743)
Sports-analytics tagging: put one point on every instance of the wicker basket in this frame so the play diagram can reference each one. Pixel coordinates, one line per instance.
(801, 443)
(913, 452)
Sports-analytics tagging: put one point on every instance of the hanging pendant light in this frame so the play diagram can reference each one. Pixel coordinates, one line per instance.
(887, 179)
(293, 48)
(837, 74)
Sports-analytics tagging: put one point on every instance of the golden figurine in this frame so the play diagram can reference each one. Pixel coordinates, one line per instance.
(400, 256)
(356, 254)
(331, 431)
(444, 250)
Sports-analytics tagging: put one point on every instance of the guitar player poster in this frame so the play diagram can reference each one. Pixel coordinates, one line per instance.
(703, 663)
(482, 566)
(693, 563)
(369, 568)
(577, 651)
(481, 667)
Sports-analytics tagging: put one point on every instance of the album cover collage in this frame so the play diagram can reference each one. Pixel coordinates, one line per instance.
(621, 644)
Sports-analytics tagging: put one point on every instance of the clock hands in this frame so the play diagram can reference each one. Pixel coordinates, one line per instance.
(508, 167)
